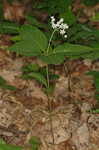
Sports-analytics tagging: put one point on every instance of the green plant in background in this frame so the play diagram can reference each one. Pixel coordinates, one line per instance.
(94, 111)
(95, 18)
(7, 27)
(90, 3)
(55, 6)
(5, 85)
(95, 75)
(1, 10)
(33, 145)
(4, 146)
(34, 142)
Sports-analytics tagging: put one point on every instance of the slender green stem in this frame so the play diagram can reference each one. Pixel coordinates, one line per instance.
(50, 117)
(48, 85)
(49, 104)
(50, 40)
(47, 73)
(68, 72)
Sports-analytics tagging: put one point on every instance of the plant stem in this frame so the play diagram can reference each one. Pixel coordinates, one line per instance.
(50, 118)
(50, 41)
(68, 71)
(49, 105)
(47, 68)
(48, 85)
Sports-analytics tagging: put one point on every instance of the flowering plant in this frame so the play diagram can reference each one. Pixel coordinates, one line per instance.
(33, 42)
(59, 26)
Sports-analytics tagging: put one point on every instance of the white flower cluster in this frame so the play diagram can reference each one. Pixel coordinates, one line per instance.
(60, 26)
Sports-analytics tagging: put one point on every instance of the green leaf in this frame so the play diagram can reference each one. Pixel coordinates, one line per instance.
(32, 43)
(38, 76)
(73, 30)
(90, 3)
(96, 33)
(32, 20)
(2, 81)
(97, 83)
(1, 10)
(34, 141)
(95, 74)
(68, 16)
(16, 38)
(56, 6)
(81, 35)
(54, 76)
(97, 96)
(3, 84)
(49, 90)
(30, 68)
(9, 28)
(33, 34)
(9, 147)
(94, 111)
(2, 141)
(93, 55)
(95, 45)
(82, 32)
(25, 48)
(73, 50)
(53, 58)
(10, 87)
(95, 18)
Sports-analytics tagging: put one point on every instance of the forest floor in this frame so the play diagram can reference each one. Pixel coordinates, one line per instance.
(24, 113)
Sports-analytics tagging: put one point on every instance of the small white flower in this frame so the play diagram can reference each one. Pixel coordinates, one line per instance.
(65, 26)
(61, 20)
(62, 32)
(59, 26)
(54, 26)
(53, 22)
(65, 36)
(52, 18)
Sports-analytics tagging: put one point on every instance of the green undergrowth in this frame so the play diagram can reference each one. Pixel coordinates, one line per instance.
(33, 144)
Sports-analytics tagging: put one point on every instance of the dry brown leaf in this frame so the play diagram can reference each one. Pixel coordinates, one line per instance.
(86, 12)
(81, 138)
(14, 11)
